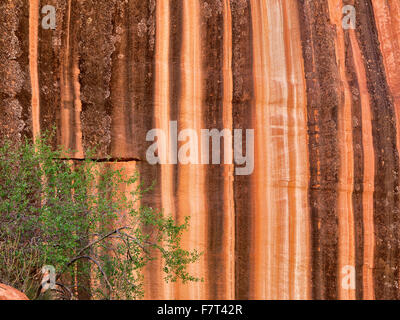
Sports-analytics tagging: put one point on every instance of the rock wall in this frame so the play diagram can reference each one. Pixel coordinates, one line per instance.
(9, 293)
(318, 218)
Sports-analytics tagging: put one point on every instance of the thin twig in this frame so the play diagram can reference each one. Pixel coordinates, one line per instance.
(66, 288)
(98, 266)
(101, 239)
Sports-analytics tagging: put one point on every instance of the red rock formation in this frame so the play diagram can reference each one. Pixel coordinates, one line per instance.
(323, 200)
(9, 293)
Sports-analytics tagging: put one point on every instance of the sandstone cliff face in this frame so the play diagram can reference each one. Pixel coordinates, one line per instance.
(9, 293)
(322, 204)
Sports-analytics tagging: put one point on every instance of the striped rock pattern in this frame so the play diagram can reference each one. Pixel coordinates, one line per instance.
(319, 217)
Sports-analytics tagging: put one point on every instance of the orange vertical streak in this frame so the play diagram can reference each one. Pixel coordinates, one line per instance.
(191, 178)
(346, 170)
(129, 169)
(281, 245)
(369, 173)
(229, 210)
(65, 87)
(263, 263)
(299, 220)
(162, 114)
(71, 105)
(79, 153)
(33, 64)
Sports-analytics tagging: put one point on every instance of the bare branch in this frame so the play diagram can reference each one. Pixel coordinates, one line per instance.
(134, 240)
(100, 239)
(98, 266)
(67, 289)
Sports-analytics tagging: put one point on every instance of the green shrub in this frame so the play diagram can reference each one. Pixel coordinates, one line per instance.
(72, 215)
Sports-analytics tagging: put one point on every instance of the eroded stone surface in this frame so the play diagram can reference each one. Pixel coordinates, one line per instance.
(9, 293)
(323, 102)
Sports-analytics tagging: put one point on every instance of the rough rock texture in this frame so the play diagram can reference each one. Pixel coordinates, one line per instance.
(9, 293)
(323, 199)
